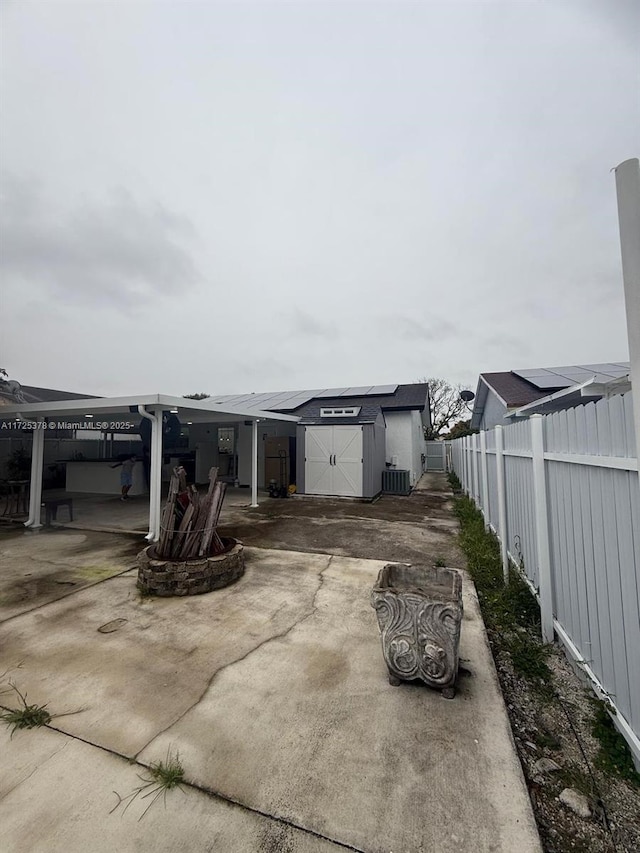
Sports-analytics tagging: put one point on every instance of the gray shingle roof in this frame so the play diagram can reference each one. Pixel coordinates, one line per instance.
(405, 397)
(514, 390)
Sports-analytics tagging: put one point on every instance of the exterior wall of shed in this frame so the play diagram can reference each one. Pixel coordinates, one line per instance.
(405, 440)
(300, 457)
(374, 454)
(494, 412)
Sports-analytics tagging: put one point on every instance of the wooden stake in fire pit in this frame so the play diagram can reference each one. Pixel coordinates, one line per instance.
(188, 526)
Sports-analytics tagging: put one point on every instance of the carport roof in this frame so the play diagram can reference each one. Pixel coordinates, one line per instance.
(197, 410)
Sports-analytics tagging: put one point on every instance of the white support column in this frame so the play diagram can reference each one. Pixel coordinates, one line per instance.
(542, 527)
(628, 191)
(155, 472)
(35, 488)
(502, 502)
(254, 464)
(155, 477)
(485, 478)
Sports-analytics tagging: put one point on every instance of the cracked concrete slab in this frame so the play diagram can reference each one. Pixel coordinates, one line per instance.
(160, 661)
(273, 691)
(308, 728)
(35, 818)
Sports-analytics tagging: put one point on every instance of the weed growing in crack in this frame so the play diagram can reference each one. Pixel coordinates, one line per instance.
(162, 777)
(28, 716)
(25, 717)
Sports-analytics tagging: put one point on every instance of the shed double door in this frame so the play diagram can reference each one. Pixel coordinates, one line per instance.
(333, 460)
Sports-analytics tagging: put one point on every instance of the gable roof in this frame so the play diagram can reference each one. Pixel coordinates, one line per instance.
(512, 390)
(386, 397)
(517, 388)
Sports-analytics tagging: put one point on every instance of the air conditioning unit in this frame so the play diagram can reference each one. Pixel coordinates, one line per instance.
(395, 481)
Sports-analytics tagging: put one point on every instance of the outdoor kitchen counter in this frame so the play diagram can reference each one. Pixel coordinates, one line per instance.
(96, 476)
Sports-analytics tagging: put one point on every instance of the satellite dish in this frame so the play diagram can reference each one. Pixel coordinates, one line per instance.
(467, 396)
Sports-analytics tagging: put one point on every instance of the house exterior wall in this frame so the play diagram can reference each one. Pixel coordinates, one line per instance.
(243, 447)
(405, 440)
(494, 411)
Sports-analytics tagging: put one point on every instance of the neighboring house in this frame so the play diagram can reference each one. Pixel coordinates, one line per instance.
(13, 392)
(502, 397)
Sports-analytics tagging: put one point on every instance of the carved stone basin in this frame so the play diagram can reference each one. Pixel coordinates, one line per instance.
(419, 613)
(160, 576)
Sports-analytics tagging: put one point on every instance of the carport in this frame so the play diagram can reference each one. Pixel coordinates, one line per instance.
(101, 411)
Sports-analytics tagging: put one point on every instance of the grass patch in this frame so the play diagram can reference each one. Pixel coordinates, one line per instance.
(454, 481)
(614, 755)
(162, 777)
(509, 611)
(25, 717)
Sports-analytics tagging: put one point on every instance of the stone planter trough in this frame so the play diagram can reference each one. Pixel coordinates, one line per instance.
(419, 613)
(159, 576)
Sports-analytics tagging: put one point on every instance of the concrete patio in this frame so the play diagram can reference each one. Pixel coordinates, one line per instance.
(272, 691)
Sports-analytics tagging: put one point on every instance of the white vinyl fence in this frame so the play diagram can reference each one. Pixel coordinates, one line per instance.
(562, 493)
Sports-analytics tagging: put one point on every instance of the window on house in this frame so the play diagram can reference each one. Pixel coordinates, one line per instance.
(350, 412)
(225, 439)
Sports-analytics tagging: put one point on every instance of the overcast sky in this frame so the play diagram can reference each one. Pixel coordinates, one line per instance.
(231, 197)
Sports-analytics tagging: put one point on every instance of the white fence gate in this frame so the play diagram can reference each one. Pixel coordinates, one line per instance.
(562, 493)
(436, 456)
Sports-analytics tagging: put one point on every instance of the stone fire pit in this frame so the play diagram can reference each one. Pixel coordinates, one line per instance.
(160, 576)
(419, 613)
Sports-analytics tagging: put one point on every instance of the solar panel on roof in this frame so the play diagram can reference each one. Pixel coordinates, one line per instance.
(330, 392)
(383, 389)
(614, 370)
(544, 379)
(294, 402)
(356, 391)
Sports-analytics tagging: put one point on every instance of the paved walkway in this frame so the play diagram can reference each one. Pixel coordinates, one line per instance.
(274, 694)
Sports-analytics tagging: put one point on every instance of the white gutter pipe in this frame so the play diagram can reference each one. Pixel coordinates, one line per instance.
(35, 486)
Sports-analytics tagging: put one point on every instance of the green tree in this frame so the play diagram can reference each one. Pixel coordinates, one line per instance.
(460, 429)
(199, 396)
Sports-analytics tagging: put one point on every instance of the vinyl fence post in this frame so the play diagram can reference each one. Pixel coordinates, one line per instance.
(463, 446)
(476, 478)
(542, 527)
(502, 502)
(485, 478)
(628, 194)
